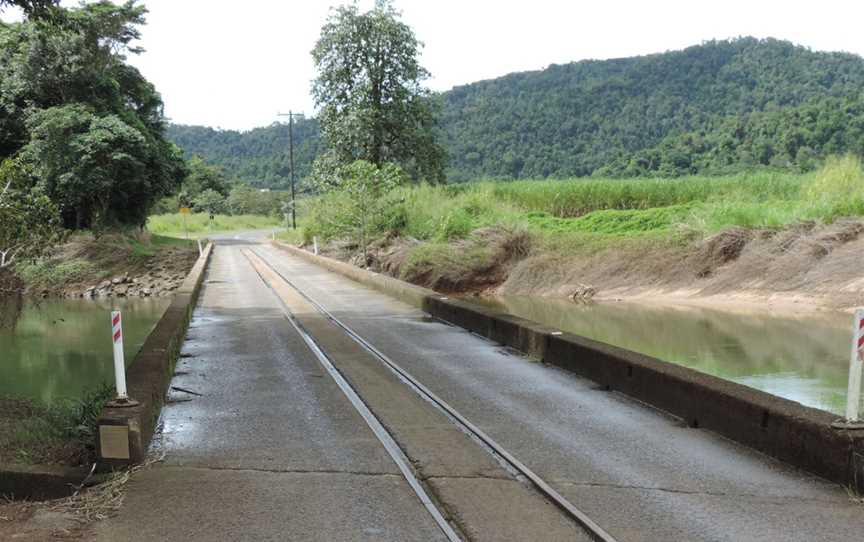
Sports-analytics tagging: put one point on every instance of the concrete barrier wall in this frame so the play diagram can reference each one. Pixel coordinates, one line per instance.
(404, 291)
(778, 427)
(148, 377)
(40, 482)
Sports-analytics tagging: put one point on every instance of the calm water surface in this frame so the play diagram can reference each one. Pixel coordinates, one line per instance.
(60, 348)
(804, 359)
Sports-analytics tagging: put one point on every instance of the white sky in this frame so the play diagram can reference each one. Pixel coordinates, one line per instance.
(236, 64)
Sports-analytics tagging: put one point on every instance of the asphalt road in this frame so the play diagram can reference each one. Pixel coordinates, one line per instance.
(272, 449)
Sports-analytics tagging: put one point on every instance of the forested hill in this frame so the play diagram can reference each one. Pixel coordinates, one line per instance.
(630, 116)
(258, 157)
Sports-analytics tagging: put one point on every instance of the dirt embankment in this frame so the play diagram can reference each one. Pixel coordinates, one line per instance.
(113, 265)
(803, 267)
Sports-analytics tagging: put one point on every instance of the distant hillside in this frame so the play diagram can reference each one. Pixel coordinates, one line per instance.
(792, 138)
(258, 157)
(574, 119)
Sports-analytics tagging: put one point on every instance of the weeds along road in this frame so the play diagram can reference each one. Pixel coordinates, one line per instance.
(274, 449)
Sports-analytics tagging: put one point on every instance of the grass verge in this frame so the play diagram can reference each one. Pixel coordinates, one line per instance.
(199, 224)
(61, 434)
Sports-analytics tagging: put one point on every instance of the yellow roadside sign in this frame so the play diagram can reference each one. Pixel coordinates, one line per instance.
(185, 210)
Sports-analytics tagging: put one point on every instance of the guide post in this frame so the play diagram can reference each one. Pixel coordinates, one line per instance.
(856, 360)
(122, 399)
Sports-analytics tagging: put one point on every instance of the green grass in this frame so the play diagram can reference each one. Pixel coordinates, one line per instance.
(294, 237)
(64, 433)
(87, 258)
(198, 225)
(51, 274)
(595, 212)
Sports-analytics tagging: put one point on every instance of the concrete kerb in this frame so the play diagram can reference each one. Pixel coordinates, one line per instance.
(780, 428)
(125, 433)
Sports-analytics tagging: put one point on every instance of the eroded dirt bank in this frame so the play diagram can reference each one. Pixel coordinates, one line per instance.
(803, 267)
(112, 265)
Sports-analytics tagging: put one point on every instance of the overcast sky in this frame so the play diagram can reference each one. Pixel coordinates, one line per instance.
(236, 64)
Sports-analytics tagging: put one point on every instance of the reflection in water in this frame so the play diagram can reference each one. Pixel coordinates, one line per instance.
(802, 359)
(60, 348)
(10, 309)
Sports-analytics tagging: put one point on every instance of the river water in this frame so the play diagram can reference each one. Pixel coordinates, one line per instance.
(803, 359)
(60, 348)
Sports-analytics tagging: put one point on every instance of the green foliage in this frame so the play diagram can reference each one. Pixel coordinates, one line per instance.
(209, 201)
(594, 213)
(369, 88)
(573, 119)
(614, 222)
(245, 200)
(31, 7)
(64, 433)
(792, 139)
(438, 261)
(358, 202)
(837, 189)
(94, 168)
(171, 225)
(203, 177)
(53, 274)
(575, 197)
(713, 109)
(29, 223)
(87, 125)
(258, 157)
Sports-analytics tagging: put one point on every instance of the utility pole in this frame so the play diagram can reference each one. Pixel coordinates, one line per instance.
(291, 116)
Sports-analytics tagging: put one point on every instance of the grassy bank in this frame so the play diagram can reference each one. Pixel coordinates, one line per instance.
(85, 260)
(434, 235)
(199, 224)
(62, 434)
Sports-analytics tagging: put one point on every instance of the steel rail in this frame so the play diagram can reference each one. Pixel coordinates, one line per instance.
(592, 528)
(390, 445)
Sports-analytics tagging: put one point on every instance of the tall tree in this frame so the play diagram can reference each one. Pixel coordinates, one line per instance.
(373, 105)
(203, 177)
(31, 7)
(87, 125)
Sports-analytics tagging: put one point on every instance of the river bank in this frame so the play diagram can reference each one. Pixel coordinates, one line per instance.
(804, 267)
(746, 241)
(110, 265)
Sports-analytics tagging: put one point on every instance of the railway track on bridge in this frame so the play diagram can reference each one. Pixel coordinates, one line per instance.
(511, 463)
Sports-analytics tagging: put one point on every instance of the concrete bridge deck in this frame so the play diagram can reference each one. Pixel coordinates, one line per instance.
(273, 450)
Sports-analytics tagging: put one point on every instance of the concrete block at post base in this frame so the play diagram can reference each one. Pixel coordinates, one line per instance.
(119, 439)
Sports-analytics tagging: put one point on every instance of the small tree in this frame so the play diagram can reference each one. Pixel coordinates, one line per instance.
(29, 221)
(363, 188)
(210, 201)
(241, 199)
(202, 177)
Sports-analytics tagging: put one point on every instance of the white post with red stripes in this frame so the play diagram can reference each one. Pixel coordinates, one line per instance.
(853, 395)
(119, 363)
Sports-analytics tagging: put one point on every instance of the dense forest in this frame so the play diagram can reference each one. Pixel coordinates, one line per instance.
(258, 157)
(81, 130)
(718, 107)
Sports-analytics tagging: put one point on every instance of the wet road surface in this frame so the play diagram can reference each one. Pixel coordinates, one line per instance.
(272, 450)
(639, 473)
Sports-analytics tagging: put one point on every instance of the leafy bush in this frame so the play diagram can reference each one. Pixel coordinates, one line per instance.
(209, 201)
